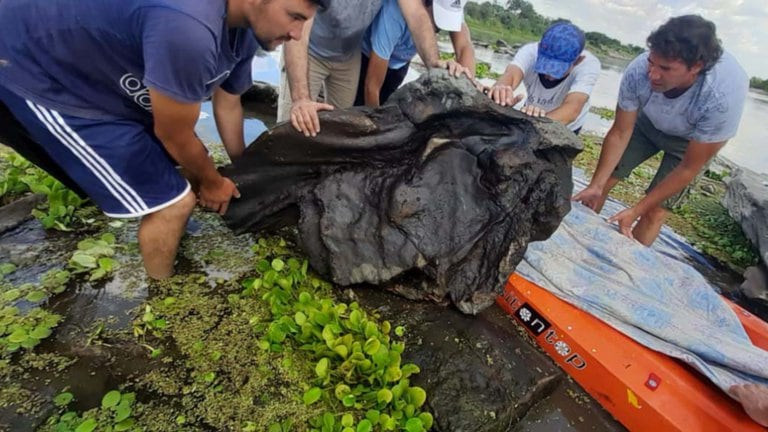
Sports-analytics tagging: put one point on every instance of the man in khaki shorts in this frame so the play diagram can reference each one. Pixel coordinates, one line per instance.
(684, 97)
(328, 57)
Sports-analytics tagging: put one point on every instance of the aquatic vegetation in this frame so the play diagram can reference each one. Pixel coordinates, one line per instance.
(603, 112)
(114, 414)
(94, 256)
(23, 324)
(482, 69)
(59, 211)
(358, 365)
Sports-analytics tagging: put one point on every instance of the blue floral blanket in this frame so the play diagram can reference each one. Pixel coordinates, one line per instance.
(649, 294)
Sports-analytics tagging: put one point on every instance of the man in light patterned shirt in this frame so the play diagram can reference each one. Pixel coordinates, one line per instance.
(684, 97)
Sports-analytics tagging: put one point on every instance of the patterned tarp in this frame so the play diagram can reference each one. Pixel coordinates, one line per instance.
(650, 294)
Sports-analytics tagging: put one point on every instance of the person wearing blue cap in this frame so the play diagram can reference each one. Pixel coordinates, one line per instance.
(559, 75)
(685, 97)
(388, 48)
(105, 96)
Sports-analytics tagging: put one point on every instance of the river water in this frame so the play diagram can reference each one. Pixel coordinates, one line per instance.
(746, 149)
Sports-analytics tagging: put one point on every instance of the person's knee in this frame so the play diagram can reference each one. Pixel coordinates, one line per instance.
(180, 210)
(185, 205)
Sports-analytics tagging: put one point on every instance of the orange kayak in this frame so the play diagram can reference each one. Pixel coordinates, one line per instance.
(643, 389)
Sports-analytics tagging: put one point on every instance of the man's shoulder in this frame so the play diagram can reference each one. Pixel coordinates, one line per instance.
(209, 14)
(726, 73)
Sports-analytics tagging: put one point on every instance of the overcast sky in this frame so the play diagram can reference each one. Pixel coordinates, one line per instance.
(742, 25)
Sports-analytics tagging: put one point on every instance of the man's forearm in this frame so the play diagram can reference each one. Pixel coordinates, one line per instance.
(422, 31)
(228, 113)
(465, 52)
(296, 56)
(297, 69)
(190, 153)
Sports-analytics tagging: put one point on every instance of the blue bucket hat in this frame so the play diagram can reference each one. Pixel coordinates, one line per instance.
(560, 46)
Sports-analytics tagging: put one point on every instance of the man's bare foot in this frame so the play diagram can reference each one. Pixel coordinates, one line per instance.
(754, 399)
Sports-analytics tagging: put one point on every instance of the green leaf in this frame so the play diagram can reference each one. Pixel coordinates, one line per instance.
(341, 350)
(414, 425)
(124, 425)
(349, 400)
(7, 268)
(341, 391)
(328, 421)
(278, 264)
(400, 331)
(18, 336)
(427, 420)
(30, 343)
(86, 426)
(35, 296)
(40, 332)
(63, 399)
(384, 395)
(263, 265)
(409, 369)
(106, 264)
(373, 416)
(393, 373)
(11, 295)
(417, 396)
(347, 420)
(372, 346)
(364, 426)
(80, 259)
(322, 367)
(300, 318)
(111, 399)
(312, 395)
(122, 412)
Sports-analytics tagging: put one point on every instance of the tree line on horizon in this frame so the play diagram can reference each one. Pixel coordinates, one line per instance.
(758, 83)
(519, 22)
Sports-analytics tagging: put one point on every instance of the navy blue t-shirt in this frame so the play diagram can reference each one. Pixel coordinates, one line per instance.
(95, 58)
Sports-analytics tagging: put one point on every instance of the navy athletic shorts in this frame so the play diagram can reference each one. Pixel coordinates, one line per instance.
(119, 164)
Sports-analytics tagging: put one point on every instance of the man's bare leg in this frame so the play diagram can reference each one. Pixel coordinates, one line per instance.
(160, 234)
(612, 181)
(647, 229)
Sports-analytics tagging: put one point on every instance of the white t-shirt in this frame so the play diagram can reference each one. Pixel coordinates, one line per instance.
(709, 111)
(581, 79)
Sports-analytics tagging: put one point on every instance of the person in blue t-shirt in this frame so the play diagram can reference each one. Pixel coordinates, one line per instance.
(388, 48)
(104, 95)
(684, 97)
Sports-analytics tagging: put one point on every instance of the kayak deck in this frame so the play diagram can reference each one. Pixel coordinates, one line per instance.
(643, 389)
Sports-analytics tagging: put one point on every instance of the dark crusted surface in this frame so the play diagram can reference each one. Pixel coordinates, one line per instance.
(440, 188)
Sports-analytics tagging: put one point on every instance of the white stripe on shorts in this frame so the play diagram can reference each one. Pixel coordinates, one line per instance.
(98, 166)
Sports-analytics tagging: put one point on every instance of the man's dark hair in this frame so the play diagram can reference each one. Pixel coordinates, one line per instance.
(688, 38)
(321, 4)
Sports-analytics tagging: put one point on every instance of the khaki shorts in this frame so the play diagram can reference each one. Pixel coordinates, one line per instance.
(338, 80)
(647, 141)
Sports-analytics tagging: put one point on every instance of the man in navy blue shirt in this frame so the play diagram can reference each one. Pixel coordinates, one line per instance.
(105, 96)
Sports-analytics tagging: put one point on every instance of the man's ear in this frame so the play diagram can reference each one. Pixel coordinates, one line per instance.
(696, 68)
(579, 60)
